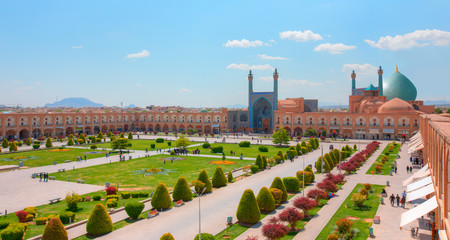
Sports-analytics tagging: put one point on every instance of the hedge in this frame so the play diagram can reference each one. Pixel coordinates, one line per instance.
(111, 203)
(125, 195)
(4, 224)
(134, 209)
(217, 149)
(41, 221)
(206, 145)
(203, 177)
(205, 236)
(99, 222)
(244, 144)
(65, 216)
(159, 140)
(308, 177)
(263, 148)
(254, 169)
(259, 162)
(14, 231)
(248, 210)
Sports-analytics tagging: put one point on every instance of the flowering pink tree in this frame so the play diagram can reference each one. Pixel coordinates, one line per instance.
(305, 204)
(274, 231)
(317, 194)
(292, 216)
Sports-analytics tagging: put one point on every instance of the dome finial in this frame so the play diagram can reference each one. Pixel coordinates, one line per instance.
(396, 68)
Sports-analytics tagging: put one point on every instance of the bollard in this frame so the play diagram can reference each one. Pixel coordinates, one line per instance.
(387, 183)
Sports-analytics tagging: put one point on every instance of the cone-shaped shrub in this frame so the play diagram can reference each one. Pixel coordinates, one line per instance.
(280, 153)
(278, 183)
(161, 198)
(292, 184)
(13, 147)
(319, 164)
(70, 142)
(182, 191)
(277, 194)
(265, 200)
(5, 143)
(99, 222)
(333, 158)
(230, 177)
(130, 136)
(248, 210)
(28, 142)
(100, 135)
(167, 236)
(259, 162)
(134, 209)
(307, 179)
(317, 142)
(264, 159)
(329, 160)
(219, 179)
(309, 169)
(55, 230)
(203, 177)
(298, 148)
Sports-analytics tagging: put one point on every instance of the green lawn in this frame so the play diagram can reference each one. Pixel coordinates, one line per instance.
(387, 165)
(251, 151)
(140, 145)
(124, 172)
(84, 210)
(46, 157)
(348, 209)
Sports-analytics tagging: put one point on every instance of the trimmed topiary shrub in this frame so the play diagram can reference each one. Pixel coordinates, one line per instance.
(4, 224)
(5, 143)
(205, 236)
(48, 143)
(219, 179)
(152, 145)
(264, 159)
(254, 169)
(248, 210)
(161, 198)
(111, 203)
(99, 222)
(217, 149)
(72, 201)
(265, 200)
(13, 232)
(230, 177)
(21, 215)
(307, 179)
(168, 236)
(182, 191)
(97, 198)
(278, 183)
(54, 231)
(159, 140)
(143, 194)
(134, 209)
(125, 195)
(292, 184)
(206, 145)
(29, 218)
(67, 217)
(135, 194)
(31, 210)
(41, 221)
(277, 194)
(111, 190)
(203, 177)
(12, 147)
(263, 149)
(244, 144)
(259, 162)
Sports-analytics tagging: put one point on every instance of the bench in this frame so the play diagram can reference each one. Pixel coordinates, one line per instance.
(51, 177)
(179, 203)
(152, 213)
(80, 181)
(376, 220)
(67, 161)
(62, 170)
(55, 200)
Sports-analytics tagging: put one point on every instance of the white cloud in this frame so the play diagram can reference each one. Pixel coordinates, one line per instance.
(138, 85)
(293, 82)
(363, 69)
(79, 46)
(265, 57)
(250, 67)
(336, 48)
(141, 54)
(272, 41)
(268, 79)
(24, 88)
(300, 36)
(17, 82)
(418, 38)
(38, 83)
(185, 90)
(244, 43)
(330, 82)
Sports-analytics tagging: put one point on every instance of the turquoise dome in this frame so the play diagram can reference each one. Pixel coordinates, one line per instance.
(399, 86)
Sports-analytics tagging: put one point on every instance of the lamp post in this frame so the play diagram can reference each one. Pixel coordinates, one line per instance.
(199, 195)
(321, 167)
(303, 182)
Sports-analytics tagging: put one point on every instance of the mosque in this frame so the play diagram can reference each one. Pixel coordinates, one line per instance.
(385, 112)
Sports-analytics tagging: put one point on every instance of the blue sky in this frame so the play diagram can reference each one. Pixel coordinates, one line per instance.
(197, 53)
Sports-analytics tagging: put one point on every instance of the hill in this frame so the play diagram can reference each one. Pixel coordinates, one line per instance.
(74, 102)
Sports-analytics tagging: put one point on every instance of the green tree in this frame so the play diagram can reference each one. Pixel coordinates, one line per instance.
(298, 148)
(311, 133)
(319, 164)
(309, 169)
(219, 179)
(130, 135)
(5, 143)
(438, 110)
(134, 209)
(248, 210)
(281, 137)
(48, 143)
(55, 230)
(264, 158)
(312, 143)
(265, 200)
(328, 159)
(70, 142)
(122, 135)
(28, 142)
(203, 177)
(161, 198)
(167, 236)
(182, 142)
(12, 147)
(182, 191)
(278, 184)
(259, 162)
(121, 143)
(82, 137)
(280, 154)
(99, 222)
(100, 135)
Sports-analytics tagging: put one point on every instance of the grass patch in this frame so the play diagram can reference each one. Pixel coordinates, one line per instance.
(251, 151)
(387, 165)
(124, 172)
(139, 145)
(46, 157)
(348, 209)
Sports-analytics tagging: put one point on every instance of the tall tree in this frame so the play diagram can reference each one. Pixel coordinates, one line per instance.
(281, 137)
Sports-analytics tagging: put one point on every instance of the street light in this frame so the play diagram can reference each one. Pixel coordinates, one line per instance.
(303, 182)
(199, 212)
(321, 167)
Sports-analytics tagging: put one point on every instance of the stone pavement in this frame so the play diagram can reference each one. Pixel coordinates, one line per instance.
(216, 207)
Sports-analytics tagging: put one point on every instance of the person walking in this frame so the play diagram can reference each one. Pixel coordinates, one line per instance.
(398, 200)
(403, 201)
(407, 169)
(40, 177)
(395, 169)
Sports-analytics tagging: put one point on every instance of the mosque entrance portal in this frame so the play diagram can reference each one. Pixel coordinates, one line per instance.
(262, 115)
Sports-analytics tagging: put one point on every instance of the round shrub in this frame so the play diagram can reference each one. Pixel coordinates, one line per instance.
(159, 140)
(265, 200)
(278, 183)
(29, 218)
(364, 192)
(94, 146)
(111, 190)
(277, 194)
(206, 145)
(161, 198)
(12, 233)
(21, 215)
(219, 179)
(292, 184)
(332, 236)
(31, 210)
(4, 224)
(134, 209)
(111, 203)
(244, 144)
(152, 145)
(135, 194)
(125, 195)
(99, 222)
(217, 149)
(263, 148)
(182, 191)
(203, 177)
(67, 217)
(248, 210)
(254, 169)
(205, 236)
(52, 216)
(308, 176)
(167, 236)
(41, 221)
(97, 198)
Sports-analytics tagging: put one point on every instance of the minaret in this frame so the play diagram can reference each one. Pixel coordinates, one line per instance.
(250, 89)
(353, 75)
(380, 82)
(275, 89)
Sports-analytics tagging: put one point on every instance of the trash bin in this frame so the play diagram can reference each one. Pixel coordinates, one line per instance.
(229, 220)
(382, 201)
(371, 231)
(387, 182)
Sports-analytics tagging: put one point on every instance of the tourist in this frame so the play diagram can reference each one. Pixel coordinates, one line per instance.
(85, 158)
(403, 201)
(383, 191)
(404, 194)
(407, 169)
(40, 177)
(395, 169)
(392, 198)
(398, 200)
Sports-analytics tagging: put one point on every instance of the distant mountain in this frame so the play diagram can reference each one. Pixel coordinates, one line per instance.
(235, 106)
(130, 106)
(439, 103)
(74, 102)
